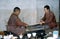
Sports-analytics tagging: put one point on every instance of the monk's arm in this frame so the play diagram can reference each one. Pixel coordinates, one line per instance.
(44, 18)
(20, 23)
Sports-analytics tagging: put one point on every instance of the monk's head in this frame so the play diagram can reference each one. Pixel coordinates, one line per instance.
(16, 10)
(46, 8)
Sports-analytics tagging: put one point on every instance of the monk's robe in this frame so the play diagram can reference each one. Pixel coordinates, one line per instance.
(50, 19)
(15, 25)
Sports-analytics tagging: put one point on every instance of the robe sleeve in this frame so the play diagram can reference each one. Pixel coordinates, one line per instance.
(44, 17)
(20, 23)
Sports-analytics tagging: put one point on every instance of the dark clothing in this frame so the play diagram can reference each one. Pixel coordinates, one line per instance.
(15, 25)
(50, 19)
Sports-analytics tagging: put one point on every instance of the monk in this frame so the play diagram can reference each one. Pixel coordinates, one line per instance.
(49, 18)
(15, 25)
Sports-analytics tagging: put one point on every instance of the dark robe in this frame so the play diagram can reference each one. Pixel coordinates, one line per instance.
(15, 25)
(50, 19)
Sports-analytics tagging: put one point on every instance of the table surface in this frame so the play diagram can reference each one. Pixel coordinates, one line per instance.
(35, 27)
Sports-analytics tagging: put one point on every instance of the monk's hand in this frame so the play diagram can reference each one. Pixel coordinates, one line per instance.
(26, 25)
(40, 23)
(43, 22)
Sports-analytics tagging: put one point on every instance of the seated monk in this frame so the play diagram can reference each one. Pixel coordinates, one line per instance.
(49, 18)
(15, 25)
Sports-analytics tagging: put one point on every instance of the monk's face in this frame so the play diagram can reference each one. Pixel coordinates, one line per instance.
(17, 12)
(46, 10)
